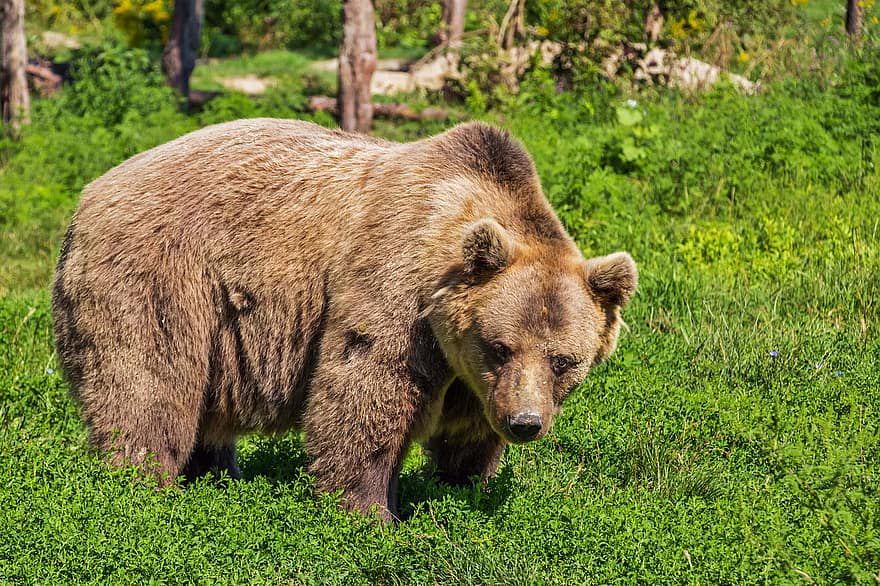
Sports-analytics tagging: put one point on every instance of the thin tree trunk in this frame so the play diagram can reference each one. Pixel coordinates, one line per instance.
(653, 22)
(357, 62)
(451, 24)
(181, 50)
(15, 100)
(513, 25)
(853, 18)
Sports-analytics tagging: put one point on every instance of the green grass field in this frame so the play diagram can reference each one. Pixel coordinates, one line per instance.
(733, 438)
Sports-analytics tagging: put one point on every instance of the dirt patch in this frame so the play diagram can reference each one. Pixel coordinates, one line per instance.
(248, 84)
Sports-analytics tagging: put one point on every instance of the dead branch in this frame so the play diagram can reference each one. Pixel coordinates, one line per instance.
(44, 80)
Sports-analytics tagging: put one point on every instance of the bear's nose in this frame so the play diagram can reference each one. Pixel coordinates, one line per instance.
(524, 426)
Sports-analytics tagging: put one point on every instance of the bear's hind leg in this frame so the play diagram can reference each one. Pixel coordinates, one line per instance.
(158, 438)
(141, 406)
(134, 333)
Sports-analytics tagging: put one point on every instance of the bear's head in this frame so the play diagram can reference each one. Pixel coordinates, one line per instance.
(521, 322)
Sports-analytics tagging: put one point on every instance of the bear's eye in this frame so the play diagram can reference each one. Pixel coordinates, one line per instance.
(501, 351)
(561, 364)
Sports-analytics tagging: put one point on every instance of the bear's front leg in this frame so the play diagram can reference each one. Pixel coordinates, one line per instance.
(464, 445)
(357, 423)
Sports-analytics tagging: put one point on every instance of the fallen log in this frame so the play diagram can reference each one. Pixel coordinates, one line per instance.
(328, 104)
(44, 80)
(198, 98)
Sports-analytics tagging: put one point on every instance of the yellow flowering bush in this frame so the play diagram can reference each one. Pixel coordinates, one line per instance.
(685, 27)
(142, 20)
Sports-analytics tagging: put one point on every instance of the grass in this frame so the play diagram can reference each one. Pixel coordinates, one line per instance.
(286, 67)
(733, 438)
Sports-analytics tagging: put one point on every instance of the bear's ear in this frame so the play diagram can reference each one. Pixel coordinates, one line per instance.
(487, 247)
(612, 278)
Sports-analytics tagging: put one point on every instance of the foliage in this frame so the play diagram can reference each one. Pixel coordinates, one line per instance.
(314, 24)
(113, 83)
(143, 21)
(69, 16)
(406, 23)
(290, 71)
(764, 40)
(268, 24)
(695, 23)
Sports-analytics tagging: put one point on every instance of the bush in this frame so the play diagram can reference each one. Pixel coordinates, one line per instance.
(686, 21)
(144, 22)
(269, 24)
(407, 24)
(113, 83)
(70, 15)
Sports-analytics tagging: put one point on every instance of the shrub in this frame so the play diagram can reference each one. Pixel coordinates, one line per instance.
(112, 83)
(269, 24)
(144, 22)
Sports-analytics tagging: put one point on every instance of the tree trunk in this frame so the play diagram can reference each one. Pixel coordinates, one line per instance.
(653, 23)
(15, 101)
(513, 25)
(357, 62)
(853, 19)
(179, 57)
(451, 24)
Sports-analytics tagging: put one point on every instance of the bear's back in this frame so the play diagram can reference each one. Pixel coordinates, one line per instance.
(224, 159)
(219, 188)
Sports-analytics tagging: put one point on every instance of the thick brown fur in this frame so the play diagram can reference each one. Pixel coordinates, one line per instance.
(264, 275)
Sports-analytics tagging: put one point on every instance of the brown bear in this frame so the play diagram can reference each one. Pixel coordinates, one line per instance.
(263, 275)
